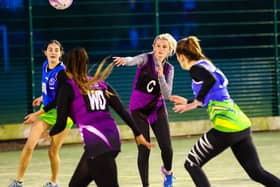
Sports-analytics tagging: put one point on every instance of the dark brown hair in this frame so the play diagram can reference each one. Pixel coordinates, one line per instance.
(45, 47)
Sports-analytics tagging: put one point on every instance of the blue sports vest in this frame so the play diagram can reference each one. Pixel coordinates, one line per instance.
(49, 82)
(219, 91)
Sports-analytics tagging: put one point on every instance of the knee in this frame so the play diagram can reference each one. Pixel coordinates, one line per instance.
(189, 165)
(29, 147)
(53, 151)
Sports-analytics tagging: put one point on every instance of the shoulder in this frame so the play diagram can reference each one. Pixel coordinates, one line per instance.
(102, 84)
(169, 65)
(69, 84)
(110, 88)
(60, 66)
(67, 89)
(145, 57)
(198, 67)
(206, 64)
(61, 75)
(198, 70)
(45, 64)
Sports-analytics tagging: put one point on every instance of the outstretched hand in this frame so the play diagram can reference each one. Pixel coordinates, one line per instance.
(141, 140)
(176, 99)
(180, 108)
(119, 61)
(181, 104)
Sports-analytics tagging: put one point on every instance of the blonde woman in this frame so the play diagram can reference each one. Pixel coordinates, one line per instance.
(153, 84)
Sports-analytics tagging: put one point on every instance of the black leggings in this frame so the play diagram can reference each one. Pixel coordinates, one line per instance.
(102, 170)
(213, 143)
(162, 133)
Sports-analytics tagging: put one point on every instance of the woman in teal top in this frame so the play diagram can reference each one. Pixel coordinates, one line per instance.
(231, 125)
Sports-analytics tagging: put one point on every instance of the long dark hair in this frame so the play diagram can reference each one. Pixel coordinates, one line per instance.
(76, 62)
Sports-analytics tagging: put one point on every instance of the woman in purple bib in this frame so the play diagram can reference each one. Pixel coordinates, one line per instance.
(87, 100)
(152, 85)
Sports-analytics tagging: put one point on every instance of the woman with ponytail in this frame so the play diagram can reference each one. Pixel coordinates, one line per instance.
(86, 100)
(232, 128)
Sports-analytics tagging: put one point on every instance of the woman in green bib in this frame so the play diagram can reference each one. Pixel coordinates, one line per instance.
(231, 125)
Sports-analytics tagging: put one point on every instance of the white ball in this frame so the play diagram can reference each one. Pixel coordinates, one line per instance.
(61, 4)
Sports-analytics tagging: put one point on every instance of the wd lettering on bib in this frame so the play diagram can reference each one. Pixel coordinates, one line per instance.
(97, 100)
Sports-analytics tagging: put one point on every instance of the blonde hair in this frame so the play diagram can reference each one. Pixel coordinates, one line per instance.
(171, 41)
(190, 48)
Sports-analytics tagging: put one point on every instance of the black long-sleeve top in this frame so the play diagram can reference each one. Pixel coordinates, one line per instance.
(61, 78)
(199, 73)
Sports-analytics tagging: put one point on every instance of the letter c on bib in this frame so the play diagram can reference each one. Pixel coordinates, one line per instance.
(150, 86)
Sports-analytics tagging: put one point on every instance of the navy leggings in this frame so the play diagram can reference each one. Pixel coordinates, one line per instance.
(214, 142)
(162, 133)
(102, 170)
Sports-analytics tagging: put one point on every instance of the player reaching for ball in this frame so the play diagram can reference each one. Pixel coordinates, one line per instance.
(153, 84)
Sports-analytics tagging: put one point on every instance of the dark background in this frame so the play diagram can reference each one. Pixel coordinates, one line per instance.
(240, 37)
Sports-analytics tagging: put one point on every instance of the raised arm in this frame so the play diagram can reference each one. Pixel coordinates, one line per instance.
(130, 61)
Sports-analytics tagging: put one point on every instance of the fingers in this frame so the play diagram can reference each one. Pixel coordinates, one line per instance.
(178, 100)
(27, 116)
(29, 119)
(141, 140)
(118, 61)
(179, 109)
(174, 97)
(26, 119)
(150, 145)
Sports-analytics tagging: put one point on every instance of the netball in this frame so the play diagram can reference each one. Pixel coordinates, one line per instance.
(61, 4)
